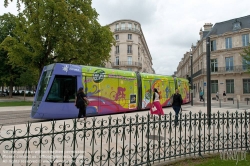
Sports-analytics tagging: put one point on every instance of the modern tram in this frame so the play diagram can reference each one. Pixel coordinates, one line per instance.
(109, 91)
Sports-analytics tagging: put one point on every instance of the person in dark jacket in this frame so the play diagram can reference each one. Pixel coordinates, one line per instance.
(80, 99)
(177, 102)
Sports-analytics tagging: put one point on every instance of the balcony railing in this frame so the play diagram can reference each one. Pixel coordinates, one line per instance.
(197, 73)
(129, 52)
(127, 29)
(222, 70)
(126, 63)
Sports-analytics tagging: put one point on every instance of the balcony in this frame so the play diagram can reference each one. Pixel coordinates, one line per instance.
(197, 73)
(129, 52)
(222, 70)
(127, 29)
(126, 64)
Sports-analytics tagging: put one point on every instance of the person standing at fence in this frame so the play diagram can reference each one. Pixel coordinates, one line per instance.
(177, 102)
(201, 96)
(224, 96)
(156, 105)
(80, 103)
(217, 96)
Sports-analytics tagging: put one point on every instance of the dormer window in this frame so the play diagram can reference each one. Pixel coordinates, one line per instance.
(236, 25)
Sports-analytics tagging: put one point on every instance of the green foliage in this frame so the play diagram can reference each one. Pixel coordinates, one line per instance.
(246, 56)
(8, 72)
(58, 31)
(12, 73)
(215, 161)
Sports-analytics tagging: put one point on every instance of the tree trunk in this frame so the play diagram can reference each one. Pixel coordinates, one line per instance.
(11, 88)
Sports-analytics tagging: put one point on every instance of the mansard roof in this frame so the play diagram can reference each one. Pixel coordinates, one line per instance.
(232, 25)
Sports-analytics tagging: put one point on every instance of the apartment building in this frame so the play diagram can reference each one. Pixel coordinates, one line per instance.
(228, 67)
(131, 51)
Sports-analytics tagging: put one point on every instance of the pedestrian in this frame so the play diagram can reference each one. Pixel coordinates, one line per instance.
(201, 96)
(156, 105)
(177, 102)
(80, 103)
(224, 96)
(217, 96)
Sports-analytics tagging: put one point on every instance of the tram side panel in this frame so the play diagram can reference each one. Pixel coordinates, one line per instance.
(109, 91)
(164, 84)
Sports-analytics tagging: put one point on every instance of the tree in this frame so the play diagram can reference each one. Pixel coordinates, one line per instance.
(58, 31)
(8, 71)
(246, 57)
(27, 78)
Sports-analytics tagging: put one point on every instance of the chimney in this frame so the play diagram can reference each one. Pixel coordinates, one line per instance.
(208, 26)
(201, 34)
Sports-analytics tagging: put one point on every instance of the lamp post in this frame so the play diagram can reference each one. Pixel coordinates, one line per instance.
(208, 81)
(191, 57)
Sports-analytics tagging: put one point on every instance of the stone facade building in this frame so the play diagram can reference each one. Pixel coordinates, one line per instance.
(228, 67)
(131, 51)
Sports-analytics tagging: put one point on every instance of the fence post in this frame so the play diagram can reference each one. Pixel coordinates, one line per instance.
(204, 102)
(237, 103)
(247, 100)
(220, 102)
(233, 100)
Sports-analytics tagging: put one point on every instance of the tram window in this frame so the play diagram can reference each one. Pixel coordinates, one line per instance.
(63, 89)
(43, 84)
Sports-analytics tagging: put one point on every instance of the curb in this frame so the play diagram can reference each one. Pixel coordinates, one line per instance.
(177, 160)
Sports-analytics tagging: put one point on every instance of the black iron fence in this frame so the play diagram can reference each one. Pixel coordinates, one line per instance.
(123, 139)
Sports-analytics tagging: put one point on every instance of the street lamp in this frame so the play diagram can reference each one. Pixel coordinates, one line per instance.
(191, 57)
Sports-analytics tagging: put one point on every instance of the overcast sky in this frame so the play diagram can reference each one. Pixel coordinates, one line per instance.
(169, 26)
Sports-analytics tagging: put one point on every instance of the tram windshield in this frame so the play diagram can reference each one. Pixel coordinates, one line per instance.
(43, 84)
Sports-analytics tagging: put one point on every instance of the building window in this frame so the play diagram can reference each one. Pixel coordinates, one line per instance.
(228, 42)
(117, 50)
(229, 63)
(117, 26)
(213, 45)
(230, 86)
(129, 49)
(116, 37)
(245, 40)
(117, 60)
(214, 65)
(129, 26)
(245, 64)
(129, 69)
(135, 26)
(237, 25)
(123, 26)
(129, 36)
(246, 85)
(129, 60)
(214, 86)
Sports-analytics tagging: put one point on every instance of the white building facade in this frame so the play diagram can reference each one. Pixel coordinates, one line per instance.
(228, 68)
(131, 51)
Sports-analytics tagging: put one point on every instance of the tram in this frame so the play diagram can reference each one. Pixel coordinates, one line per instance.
(109, 91)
